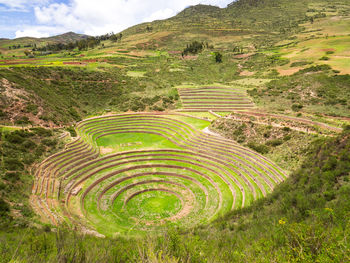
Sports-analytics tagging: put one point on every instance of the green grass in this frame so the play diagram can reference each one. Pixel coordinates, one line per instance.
(134, 141)
(154, 205)
(198, 124)
(136, 74)
(7, 129)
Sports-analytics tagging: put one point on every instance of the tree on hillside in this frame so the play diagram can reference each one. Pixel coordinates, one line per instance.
(218, 57)
(114, 38)
(194, 48)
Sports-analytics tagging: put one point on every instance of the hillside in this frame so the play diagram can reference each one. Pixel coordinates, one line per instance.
(25, 43)
(66, 37)
(217, 135)
(248, 22)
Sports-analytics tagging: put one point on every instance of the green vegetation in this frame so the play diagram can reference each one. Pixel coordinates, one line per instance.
(62, 96)
(283, 145)
(180, 127)
(313, 90)
(304, 219)
(20, 149)
(194, 48)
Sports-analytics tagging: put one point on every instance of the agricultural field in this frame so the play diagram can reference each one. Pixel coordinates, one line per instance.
(130, 174)
(219, 99)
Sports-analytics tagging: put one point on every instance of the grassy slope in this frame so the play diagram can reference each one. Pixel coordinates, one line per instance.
(243, 19)
(64, 95)
(282, 145)
(20, 150)
(314, 90)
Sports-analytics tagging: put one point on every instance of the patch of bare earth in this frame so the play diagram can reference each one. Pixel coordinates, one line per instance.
(106, 150)
(243, 55)
(246, 73)
(288, 72)
(190, 57)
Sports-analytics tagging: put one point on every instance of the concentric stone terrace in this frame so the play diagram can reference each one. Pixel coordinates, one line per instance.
(159, 170)
(222, 99)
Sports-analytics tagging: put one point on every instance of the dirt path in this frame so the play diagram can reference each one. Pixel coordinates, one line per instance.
(208, 131)
(301, 120)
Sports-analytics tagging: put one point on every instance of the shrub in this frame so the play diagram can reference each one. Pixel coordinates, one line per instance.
(194, 48)
(39, 150)
(297, 107)
(29, 159)
(300, 63)
(260, 148)
(274, 142)
(2, 114)
(23, 120)
(13, 164)
(157, 108)
(32, 108)
(218, 57)
(4, 208)
(74, 114)
(49, 142)
(315, 68)
(12, 176)
(14, 138)
(29, 144)
(287, 137)
(72, 131)
(42, 131)
(2, 186)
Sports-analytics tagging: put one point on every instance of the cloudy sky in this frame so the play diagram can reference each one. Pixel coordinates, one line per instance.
(42, 18)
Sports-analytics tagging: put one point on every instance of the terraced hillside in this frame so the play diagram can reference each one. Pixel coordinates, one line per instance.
(131, 173)
(222, 99)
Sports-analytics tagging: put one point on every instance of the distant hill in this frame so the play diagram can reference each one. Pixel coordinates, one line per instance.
(197, 10)
(63, 38)
(255, 23)
(67, 37)
(28, 42)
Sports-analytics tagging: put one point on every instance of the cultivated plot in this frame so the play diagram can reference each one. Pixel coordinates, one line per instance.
(172, 174)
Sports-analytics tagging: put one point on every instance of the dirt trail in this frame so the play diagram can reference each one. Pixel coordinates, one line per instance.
(301, 120)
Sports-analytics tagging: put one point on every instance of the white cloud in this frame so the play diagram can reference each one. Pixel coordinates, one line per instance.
(39, 31)
(99, 17)
(31, 32)
(160, 14)
(21, 5)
